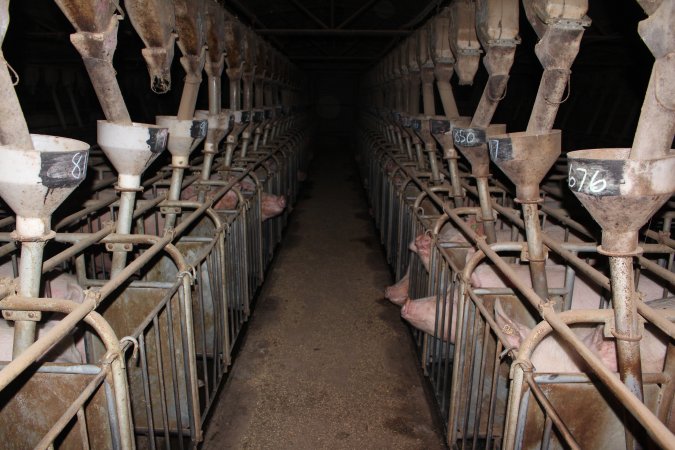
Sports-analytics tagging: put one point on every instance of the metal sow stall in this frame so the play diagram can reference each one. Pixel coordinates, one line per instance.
(532, 332)
(120, 314)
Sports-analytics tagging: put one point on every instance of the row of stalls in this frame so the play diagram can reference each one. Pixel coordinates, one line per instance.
(542, 307)
(129, 271)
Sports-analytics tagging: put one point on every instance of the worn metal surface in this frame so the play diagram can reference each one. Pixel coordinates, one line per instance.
(154, 21)
(95, 38)
(13, 127)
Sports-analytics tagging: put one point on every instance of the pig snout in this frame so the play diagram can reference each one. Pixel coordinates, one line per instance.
(422, 314)
(398, 293)
(272, 205)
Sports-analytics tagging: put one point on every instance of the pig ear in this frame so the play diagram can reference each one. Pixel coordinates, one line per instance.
(75, 292)
(605, 349)
(514, 331)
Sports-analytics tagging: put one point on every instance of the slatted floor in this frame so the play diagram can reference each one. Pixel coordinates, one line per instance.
(326, 362)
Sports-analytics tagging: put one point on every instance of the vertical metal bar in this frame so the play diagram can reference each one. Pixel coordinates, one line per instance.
(546, 435)
(146, 391)
(160, 377)
(200, 290)
(174, 373)
(186, 327)
(112, 415)
(481, 382)
(82, 425)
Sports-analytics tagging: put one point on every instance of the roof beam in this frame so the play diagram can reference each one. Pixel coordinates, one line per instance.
(330, 32)
(358, 12)
(309, 13)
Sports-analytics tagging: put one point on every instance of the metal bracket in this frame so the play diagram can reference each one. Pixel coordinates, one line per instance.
(525, 254)
(170, 209)
(32, 316)
(119, 247)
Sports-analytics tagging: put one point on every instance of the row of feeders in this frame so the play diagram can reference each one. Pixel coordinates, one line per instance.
(531, 333)
(130, 304)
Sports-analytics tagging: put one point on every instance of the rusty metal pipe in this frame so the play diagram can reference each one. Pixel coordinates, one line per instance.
(485, 203)
(556, 51)
(626, 323)
(214, 71)
(188, 100)
(497, 61)
(414, 94)
(430, 148)
(259, 90)
(103, 78)
(443, 73)
(234, 74)
(97, 49)
(656, 127)
(535, 248)
(247, 79)
(214, 94)
(427, 77)
(124, 220)
(30, 273)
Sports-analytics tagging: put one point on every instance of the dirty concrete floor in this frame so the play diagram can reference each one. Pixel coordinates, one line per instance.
(326, 362)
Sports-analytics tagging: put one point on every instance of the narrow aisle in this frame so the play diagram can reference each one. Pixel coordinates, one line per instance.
(327, 362)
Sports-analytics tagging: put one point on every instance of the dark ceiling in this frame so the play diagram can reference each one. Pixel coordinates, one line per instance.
(338, 31)
(336, 41)
(353, 34)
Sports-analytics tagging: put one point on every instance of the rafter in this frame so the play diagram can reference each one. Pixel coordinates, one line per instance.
(309, 13)
(358, 13)
(330, 32)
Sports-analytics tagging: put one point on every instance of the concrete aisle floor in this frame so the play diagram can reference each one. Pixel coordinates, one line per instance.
(326, 362)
